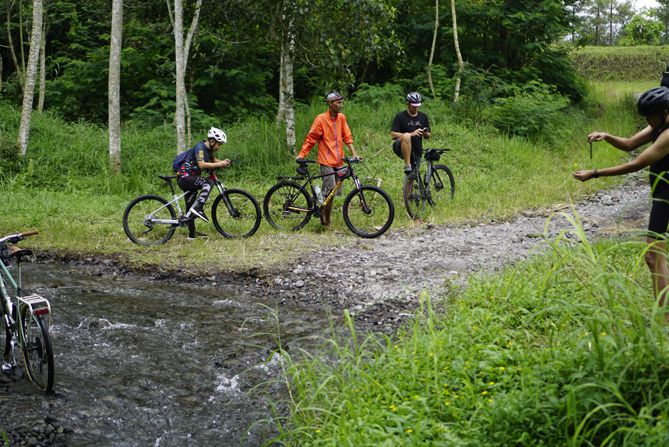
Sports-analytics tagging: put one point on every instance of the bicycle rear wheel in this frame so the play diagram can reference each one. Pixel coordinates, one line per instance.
(442, 185)
(237, 215)
(414, 196)
(287, 206)
(368, 211)
(5, 336)
(145, 220)
(37, 351)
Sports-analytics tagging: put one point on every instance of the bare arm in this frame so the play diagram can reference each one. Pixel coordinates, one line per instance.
(415, 133)
(209, 165)
(656, 151)
(624, 144)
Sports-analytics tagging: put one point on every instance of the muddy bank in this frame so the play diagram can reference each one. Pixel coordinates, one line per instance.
(380, 280)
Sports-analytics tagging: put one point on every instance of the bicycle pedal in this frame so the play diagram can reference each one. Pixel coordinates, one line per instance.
(6, 368)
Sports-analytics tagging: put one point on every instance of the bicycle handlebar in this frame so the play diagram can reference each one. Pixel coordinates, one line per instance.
(14, 238)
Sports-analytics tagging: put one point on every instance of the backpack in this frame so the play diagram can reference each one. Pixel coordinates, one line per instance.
(181, 159)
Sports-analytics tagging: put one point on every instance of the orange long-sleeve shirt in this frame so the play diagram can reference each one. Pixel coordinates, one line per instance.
(330, 135)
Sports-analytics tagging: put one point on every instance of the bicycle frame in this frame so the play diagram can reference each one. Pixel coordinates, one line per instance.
(330, 197)
(176, 200)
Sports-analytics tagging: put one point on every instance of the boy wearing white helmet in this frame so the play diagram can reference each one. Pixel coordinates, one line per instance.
(189, 175)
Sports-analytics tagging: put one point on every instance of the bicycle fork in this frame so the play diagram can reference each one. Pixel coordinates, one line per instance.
(228, 203)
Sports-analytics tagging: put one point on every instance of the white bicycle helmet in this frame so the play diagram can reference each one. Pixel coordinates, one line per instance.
(217, 134)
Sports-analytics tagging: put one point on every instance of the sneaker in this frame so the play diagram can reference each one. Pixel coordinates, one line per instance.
(408, 169)
(199, 212)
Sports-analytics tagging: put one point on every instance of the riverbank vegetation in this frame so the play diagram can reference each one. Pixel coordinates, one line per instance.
(562, 350)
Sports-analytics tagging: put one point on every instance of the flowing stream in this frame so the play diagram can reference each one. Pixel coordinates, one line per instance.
(141, 362)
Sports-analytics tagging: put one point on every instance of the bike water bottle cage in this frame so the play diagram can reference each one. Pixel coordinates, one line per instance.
(432, 155)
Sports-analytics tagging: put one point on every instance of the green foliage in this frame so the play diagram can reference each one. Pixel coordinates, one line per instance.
(572, 354)
(373, 95)
(621, 63)
(642, 31)
(529, 111)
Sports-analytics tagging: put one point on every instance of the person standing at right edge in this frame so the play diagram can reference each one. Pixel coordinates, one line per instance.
(654, 106)
(408, 129)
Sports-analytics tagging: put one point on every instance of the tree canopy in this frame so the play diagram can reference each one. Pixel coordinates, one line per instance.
(233, 69)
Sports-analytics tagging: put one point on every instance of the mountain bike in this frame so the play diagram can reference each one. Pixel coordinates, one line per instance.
(151, 219)
(435, 187)
(24, 319)
(368, 211)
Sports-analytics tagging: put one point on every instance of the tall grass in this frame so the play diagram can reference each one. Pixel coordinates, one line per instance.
(563, 350)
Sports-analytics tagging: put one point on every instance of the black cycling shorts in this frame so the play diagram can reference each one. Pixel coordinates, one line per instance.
(397, 148)
(659, 218)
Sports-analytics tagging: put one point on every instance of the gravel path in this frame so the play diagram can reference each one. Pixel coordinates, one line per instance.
(380, 280)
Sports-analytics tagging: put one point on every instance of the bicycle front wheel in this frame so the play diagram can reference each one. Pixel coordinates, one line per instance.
(368, 211)
(442, 185)
(149, 220)
(414, 197)
(287, 206)
(37, 351)
(236, 215)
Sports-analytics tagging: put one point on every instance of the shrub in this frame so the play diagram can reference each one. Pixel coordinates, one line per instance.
(530, 110)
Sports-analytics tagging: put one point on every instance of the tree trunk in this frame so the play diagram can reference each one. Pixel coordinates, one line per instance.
(1, 68)
(456, 44)
(10, 43)
(180, 121)
(189, 40)
(286, 112)
(42, 71)
(29, 90)
(434, 44)
(114, 87)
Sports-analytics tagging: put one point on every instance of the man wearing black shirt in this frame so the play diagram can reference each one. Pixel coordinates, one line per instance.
(408, 130)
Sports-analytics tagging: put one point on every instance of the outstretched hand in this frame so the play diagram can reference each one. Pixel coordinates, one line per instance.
(583, 175)
(596, 136)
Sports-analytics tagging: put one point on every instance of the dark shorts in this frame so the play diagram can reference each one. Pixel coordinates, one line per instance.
(659, 218)
(397, 148)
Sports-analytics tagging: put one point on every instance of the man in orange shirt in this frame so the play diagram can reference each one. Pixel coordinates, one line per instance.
(331, 132)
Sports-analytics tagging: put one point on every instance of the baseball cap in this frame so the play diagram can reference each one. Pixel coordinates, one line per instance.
(333, 96)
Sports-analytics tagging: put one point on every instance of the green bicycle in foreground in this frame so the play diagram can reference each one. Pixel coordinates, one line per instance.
(24, 320)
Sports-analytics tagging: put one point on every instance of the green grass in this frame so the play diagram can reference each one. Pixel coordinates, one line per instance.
(562, 350)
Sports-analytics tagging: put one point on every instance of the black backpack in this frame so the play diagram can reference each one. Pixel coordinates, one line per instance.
(182, 158)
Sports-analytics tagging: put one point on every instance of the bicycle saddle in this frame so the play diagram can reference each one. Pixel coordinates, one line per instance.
(19, 253)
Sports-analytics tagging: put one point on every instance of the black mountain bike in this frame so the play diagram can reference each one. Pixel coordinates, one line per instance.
(435, 187)
(151, 219)
(368, 211)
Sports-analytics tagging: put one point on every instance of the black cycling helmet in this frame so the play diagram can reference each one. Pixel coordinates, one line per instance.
(414, 98)
(653, 101)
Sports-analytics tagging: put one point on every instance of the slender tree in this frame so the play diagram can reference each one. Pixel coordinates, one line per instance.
(114, 89)
(31, 69)
(42, 70)
(181, 50)
(434, 44)
(456, 45)
(286, 110)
